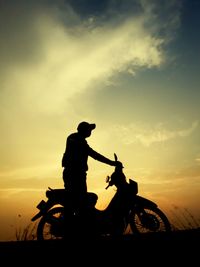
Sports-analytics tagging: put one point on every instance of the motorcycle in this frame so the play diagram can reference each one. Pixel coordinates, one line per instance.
(127, 212)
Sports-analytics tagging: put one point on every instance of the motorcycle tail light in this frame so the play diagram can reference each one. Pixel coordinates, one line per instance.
(41, 205)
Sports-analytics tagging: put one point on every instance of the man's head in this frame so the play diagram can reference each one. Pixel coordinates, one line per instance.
(85, 128)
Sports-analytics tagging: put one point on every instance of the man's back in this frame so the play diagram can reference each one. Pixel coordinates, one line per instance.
(76, 152)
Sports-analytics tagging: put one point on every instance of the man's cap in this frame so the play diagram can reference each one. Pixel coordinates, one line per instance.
(86, 126)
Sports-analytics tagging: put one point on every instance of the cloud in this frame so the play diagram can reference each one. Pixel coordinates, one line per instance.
(50, 53)
(147, 135)
(74, 63)
(56, 53)
(198, 160)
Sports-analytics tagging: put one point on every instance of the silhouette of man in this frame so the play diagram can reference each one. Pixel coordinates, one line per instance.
(74, 162)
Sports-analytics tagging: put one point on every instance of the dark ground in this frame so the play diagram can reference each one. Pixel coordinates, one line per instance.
(156, 249)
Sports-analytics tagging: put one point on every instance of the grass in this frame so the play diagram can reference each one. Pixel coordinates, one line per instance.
(183, 219)
(180, 218)
(26, 233)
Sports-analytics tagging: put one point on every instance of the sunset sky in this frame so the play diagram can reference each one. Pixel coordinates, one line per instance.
(132, 67)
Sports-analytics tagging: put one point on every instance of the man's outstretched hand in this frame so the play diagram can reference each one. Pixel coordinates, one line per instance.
(118, 164)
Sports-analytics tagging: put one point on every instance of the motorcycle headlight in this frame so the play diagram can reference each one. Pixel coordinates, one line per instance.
(134, 186)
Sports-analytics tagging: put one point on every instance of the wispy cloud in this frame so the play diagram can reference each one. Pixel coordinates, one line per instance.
(198, 160)
(73, 54)
(147, 135)
(52, 53)
(73, 63)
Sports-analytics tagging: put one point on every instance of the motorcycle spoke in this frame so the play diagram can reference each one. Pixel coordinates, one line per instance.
(153, 220)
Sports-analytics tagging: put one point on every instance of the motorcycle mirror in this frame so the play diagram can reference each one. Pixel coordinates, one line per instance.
(115, 157)
(107, 179)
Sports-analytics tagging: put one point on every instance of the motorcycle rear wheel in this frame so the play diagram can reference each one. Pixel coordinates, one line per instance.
(155, 221)
(50, 225)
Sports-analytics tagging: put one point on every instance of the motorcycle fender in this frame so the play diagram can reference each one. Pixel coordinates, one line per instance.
(142, 201)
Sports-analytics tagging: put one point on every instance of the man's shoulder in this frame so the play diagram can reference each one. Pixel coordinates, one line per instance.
(76, 137)
(73, 135)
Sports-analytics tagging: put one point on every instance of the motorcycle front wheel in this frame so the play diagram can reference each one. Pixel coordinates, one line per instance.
(148, 220)
(51, 225)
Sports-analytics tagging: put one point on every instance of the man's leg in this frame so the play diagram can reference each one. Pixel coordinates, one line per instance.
(68, 219)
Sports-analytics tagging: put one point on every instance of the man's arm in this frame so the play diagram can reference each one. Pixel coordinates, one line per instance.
(95, 155)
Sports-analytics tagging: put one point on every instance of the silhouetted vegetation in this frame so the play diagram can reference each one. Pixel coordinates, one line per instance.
(23, 233)
(181, 219)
